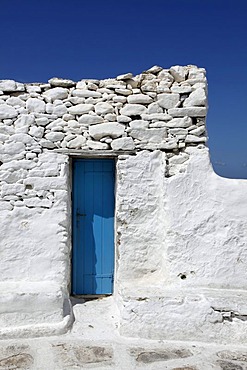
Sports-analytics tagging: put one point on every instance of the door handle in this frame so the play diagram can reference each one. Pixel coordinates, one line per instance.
(81, 214)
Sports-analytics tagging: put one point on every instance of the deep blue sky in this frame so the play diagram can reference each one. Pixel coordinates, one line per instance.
(103, 38)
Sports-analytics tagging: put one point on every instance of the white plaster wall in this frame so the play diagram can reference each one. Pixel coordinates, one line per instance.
(207, 234)
(200, 292)
(35, 247)
(140, 217)
(34, 238)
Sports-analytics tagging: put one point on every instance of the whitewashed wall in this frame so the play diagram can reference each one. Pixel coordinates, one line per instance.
(180, 229)
(187, 276)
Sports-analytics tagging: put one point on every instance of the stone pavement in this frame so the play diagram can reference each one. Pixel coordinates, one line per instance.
(94, 343)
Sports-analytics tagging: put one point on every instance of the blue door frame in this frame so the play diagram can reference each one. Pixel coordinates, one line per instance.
(93, 226)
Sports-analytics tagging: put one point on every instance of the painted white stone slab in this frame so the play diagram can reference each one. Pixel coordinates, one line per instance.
(113, 130)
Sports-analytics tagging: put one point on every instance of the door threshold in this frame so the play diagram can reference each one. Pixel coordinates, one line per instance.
(90, 297)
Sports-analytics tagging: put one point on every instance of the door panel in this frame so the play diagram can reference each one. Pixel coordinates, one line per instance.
(93, 226)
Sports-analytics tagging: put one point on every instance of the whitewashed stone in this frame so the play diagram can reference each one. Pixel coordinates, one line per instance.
(5, 206)
(196, 98)
(22, 138)
(92, 86)
(54, 136)
(103, 108)
(125, 92)
(162, 89)
(199, 85)
(133, 110)
(113, 130)
(108, 140)
(8, 189)
(67, 117)
(76, 143)
(132, 83)
(96, 145)
(150, 135)
(181, 89)
(123, 119)
(7, 85)
(158, 124)
(3, 137)
(188, 111)
(42, 121)
(112, 117)
(156, 117)
(13, 177)
(154, 108)
(15, 101)
(35, 105)
(75, 100)
(181, 145)
(33, 88)
(169, 144)
(196, 73)
(154, 69)
(86, 93)
(37, 202)
(195, 139)
(61, 82)
(8, 121)
(198, 131)
(6, 111)
(56, 93)
(196, 81)
(165, 77)
(119, 99)
(178, 131)
(81, 85)
(21, 110)
(30, 155)
(49, 108)
(69, 137)
(90, 119)
(59, 110)
(139, 99)
(47, 183)
(115, 85)
(149, 86)
(179, 122)
(20, 86)
(47, 144)
(81, 109)
(179, 73)
(138, 124)
(179, 159)
(23, 123)
(124, 143)
(8, 130)
(125, 76)
(168, 100)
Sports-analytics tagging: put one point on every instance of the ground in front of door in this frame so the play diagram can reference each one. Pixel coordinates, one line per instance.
(94, 343)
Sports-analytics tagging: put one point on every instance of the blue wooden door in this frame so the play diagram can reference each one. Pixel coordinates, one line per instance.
(93, 226)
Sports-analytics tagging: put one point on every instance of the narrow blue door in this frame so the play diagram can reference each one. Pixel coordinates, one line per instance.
(93, 226)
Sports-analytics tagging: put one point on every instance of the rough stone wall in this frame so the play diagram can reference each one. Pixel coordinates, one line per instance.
(158, 109)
